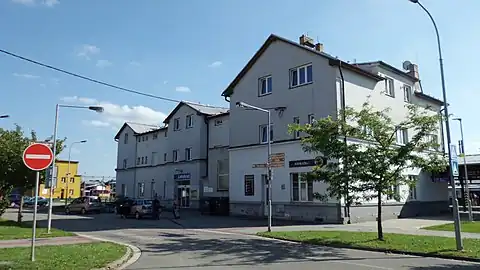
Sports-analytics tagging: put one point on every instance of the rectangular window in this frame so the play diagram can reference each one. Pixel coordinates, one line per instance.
(394, 192)
(407, 93)
(188, 154)
(296, 134)
(165, 134)
(175, 155)
(155, 136)
(189, 121)
(432, 139)
(146, 137)
(124, 190)
(125, 163)
(218, 122)
(138, 161)
(301, 75)
(222, 174)
(412, 195)
(141, 190)
(402, 136)
(72, 180)
(146, 160)
(165, 157)
(389, 87)
(367, 131)
(302, 189)
(263, 133)
(143, 160)
(176, 124)
(311, 118)
(64, 179)
(154, 158)
(70, 192)
(265, 86)
(249, 183)
(125, 138)
(139, 139)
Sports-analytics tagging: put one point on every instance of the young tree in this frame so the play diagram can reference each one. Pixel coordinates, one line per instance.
(13, 173)
(371, 163)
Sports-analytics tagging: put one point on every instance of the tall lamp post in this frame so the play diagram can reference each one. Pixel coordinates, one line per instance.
(456, 215)
(57, 108)
(68, 167)
(467, 191)
(4, 116)
(269, 153)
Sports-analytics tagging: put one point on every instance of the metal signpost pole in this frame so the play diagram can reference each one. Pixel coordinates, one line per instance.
(54, 172)
(467, 190)
(34, 226)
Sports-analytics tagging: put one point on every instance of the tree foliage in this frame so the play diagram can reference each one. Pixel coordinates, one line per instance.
(13, 172)
(370, 162)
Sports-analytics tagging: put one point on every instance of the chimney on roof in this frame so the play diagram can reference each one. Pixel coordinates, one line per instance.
(319, 47)
(412, 69)
(306, 41)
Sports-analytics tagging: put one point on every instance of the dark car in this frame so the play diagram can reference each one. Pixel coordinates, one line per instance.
(41, 201)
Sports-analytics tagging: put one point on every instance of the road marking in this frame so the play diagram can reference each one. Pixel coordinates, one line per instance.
(37, 156)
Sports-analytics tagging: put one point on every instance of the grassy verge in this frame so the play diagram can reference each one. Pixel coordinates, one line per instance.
(10, 230)
(401, 243)
(468, 227)
(64, 257)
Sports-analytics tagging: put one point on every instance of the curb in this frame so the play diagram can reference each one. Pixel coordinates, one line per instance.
(417, 254)
(132, 255)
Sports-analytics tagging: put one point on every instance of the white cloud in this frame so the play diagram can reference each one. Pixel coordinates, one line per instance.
(87, 51)
(135, 63)
(183, 89)
(165, 82)
(55, 81)
(103, 63)
(26, 76)
(216, 64)
(47, 3)
(75, 151)
(115, 115)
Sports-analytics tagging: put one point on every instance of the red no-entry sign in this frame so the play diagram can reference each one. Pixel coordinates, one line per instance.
(37, 156)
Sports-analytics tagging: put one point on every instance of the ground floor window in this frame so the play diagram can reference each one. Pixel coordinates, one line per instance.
(124, 190)
(412, 194)
(302, 189)
(141, 190)
(249, 183)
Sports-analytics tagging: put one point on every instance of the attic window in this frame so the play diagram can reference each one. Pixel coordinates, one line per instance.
(218, 122)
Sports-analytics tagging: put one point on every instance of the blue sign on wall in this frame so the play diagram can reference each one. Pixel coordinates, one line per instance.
(181, 176)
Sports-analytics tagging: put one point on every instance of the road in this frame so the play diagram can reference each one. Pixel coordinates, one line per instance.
(166, 245)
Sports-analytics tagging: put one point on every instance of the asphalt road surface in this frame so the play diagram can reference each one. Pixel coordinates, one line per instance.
(166, 245)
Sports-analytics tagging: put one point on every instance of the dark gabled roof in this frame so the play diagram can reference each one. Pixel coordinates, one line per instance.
(272, 38)
(429, 98)
(200, 108)
(138, 128)
(389, 68)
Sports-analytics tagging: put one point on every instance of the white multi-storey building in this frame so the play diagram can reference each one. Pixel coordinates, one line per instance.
(175, 161)
(299, 82)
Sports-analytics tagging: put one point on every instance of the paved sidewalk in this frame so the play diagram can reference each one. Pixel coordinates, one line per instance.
(67, 240)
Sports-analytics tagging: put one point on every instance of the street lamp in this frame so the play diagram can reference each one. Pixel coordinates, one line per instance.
(269, 153)
(467, 190)
(57, 108)
(68, 168)
(456, 214)
(4, 116)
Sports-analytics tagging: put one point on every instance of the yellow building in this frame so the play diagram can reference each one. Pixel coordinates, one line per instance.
(68, 184)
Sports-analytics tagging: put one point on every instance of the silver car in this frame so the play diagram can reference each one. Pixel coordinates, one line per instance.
(141, 208)
(84, 205)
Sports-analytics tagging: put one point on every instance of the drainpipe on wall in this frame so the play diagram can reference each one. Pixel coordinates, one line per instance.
(347, 204)
(135, 170)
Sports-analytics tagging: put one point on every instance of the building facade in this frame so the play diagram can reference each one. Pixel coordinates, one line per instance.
(170, 162)
(299, 82)
(68, 181)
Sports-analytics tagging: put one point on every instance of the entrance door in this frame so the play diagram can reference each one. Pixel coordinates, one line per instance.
(183, 195)
(266, 194)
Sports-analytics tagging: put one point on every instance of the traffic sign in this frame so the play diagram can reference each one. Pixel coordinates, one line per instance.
(454, 160)
(37, 156)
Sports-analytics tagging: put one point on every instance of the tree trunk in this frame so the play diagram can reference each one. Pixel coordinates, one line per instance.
(20, 210)
(379, 216)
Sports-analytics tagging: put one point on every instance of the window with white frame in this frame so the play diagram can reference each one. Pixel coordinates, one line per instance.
(412, 193)
(152, 189)
(188, 154)
(176, 124)
(222, 175)
(124, 163)
(393, 192)
(311, 118)
(367, 131)
(389, 87)
(124, 190)
(154, 158)
(125, 138)
(249, 185)
(164, 156)
(139, 139)
(143, 160)
(302, 189)
(407, 93)
(296, 134)
(138, 160)
(402, 136)
(155, 136)
(146, 160)
(301, 75)
(264, 132)
(432, 139)
(141, 190)
(265, 85)
(175, 155)
(189, 121)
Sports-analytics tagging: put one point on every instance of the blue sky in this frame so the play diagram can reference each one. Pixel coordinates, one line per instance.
(191, 50)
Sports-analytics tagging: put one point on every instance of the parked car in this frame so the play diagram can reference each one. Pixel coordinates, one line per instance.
(142, 208)
(30, 201)
(14, 199)
(83, 205)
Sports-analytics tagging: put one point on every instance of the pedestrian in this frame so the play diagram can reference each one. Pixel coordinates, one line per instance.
(175, 210)
(156, 208)
(125, 208)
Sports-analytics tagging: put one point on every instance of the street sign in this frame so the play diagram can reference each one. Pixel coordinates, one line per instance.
(37, 156)
(454, 161)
